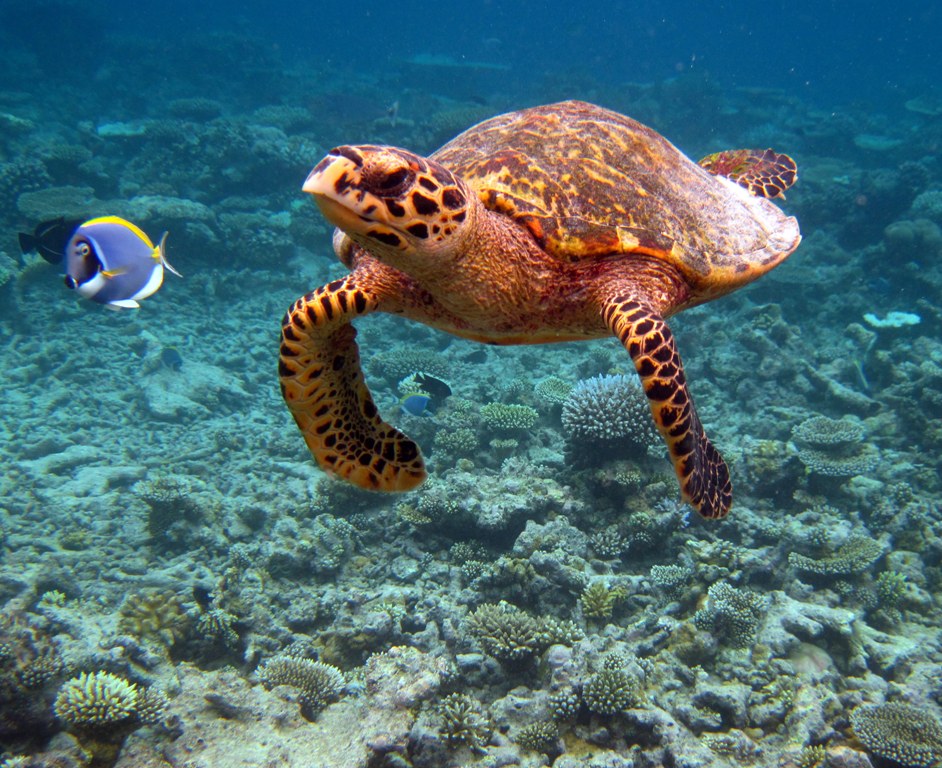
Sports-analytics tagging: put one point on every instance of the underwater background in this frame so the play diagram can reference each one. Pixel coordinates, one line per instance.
(181, 586)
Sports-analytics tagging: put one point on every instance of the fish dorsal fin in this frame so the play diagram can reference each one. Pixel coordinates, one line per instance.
(123, 223)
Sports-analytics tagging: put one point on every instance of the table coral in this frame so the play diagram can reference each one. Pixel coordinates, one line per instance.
(854, 556)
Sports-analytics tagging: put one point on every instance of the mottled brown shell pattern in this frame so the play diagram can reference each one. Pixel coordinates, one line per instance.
(588, 182)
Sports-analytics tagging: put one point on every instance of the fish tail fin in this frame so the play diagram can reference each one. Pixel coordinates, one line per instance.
(28, 242)
(161, 254)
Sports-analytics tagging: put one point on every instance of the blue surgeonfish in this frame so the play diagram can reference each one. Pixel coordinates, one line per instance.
(112, 261)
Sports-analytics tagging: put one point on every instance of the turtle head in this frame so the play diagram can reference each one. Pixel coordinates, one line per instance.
(396, 205)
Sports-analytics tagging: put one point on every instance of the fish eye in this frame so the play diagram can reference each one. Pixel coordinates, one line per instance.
(83, 249)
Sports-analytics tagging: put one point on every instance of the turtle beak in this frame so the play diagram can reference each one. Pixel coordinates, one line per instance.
(333, 184)
(335, 174)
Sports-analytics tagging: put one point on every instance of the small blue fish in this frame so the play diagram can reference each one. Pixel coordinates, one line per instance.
(415, 404)
(111, 261)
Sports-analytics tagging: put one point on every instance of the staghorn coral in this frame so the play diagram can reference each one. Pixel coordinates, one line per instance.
(464, 720)
(833, 447)
(731, 614)
(907, 735)
(611, 409)
(856, 555)
(318, 684)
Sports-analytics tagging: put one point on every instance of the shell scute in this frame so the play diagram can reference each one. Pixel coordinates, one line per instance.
(590, 183)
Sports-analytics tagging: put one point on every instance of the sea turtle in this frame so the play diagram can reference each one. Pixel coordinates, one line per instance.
(555, 223)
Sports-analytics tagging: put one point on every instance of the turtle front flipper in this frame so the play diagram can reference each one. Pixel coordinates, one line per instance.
(701, 471)
(323, 384)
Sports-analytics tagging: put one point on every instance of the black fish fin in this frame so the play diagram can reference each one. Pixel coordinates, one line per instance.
(27, 242)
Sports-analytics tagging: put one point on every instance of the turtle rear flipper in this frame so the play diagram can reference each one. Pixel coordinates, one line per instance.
(764, 172)
(323, 384)
(701, 470)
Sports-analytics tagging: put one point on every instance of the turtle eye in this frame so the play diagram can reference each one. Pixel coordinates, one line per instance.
(393, 180)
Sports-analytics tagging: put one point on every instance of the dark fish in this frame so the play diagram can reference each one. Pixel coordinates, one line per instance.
(435, 387)
(171, 358)
(49, 239)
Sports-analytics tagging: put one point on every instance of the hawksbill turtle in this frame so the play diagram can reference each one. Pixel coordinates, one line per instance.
(556, 223)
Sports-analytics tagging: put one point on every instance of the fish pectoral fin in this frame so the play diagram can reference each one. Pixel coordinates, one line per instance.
(110, 273)
(122, 304)
(161, 256)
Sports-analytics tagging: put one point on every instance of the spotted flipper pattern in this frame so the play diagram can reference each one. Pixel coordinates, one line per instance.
(764, 172)
(322, 383)
(701, 471)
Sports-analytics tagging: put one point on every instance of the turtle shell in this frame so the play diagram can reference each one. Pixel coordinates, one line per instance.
(590, 183)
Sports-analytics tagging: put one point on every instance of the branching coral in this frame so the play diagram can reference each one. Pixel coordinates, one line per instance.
(610, 691)
(539, 737)
(598, 600)
(102, 700)
(172, 509)
(506, 632)
(508, 417)
(464, 720)
(731, 614)
(318, 684)
(671, 579)
(514, 636)
(29, 664)
(610, 410)
(907, 735)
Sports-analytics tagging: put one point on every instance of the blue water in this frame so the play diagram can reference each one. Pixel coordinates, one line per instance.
(162, 520)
